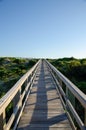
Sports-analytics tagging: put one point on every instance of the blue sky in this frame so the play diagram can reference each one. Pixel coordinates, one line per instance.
(43, 28)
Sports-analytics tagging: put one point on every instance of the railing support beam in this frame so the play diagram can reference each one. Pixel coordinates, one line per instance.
(85, 118)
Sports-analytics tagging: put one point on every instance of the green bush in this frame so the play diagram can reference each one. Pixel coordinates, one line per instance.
(74, 69)
(11, 69)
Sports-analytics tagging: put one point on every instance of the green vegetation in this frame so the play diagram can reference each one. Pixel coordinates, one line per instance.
(74, 69)
(11, 69)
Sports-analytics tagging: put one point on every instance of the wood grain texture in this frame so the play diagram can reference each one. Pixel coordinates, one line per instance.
(43, 110)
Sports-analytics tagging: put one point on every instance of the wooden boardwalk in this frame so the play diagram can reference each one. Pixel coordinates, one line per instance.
(43, 110)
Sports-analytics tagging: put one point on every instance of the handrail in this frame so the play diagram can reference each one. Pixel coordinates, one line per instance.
(16, 96)
(77, 93)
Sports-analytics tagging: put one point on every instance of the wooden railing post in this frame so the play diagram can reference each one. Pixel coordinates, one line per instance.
(60, 82)
(72, 100)
(67, 91)
(66, 96)
(2, 121)
(26, 82)
(16, 99)
(85, 118)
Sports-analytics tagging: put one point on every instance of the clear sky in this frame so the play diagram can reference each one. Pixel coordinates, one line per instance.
(43, 28)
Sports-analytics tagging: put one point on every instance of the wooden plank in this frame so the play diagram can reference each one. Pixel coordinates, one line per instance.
(43, 110)
(47, 128)
(64, 125)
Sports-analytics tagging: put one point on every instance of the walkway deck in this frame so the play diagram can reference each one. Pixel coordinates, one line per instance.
(43, 110)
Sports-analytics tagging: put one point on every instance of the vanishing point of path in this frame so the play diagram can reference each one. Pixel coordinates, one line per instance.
(43, 110)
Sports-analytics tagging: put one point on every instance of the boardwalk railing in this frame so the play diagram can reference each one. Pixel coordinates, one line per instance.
(69, 93)
(16, 96)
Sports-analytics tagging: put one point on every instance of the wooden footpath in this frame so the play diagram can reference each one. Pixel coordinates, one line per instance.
(43, 110)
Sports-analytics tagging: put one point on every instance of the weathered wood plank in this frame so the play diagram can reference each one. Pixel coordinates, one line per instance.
(48, 128)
